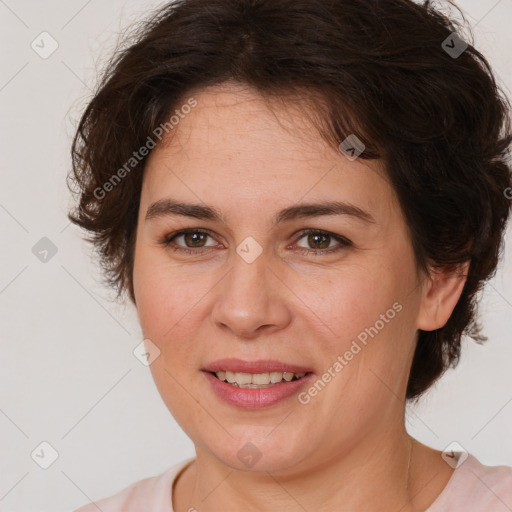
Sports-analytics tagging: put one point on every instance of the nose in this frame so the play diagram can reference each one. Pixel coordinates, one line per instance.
(251, 299)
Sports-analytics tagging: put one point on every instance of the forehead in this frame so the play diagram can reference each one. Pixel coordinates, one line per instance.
(236, 120)
(233, 139)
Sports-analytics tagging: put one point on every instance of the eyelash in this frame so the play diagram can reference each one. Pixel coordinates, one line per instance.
(344, 242)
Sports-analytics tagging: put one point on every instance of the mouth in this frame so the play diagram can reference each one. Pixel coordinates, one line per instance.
(262, 372)
(257, 380)
(255, 384)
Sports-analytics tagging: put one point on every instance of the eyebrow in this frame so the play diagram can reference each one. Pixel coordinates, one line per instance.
(169, 207)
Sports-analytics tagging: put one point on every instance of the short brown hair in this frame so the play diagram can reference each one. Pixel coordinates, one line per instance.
(379, 69)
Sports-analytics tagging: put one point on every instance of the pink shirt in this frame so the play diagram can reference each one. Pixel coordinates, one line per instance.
(472, 487)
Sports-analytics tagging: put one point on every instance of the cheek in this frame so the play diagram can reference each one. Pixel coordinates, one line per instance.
(165, 308)
(349, 300)
(367, 317)
(170, 308)
(164, 294)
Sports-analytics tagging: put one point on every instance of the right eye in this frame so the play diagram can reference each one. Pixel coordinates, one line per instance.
(193, 239)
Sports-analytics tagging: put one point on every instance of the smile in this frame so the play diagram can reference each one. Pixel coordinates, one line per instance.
(257, 380)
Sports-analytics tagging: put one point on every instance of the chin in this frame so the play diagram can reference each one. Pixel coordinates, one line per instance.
(264, 455)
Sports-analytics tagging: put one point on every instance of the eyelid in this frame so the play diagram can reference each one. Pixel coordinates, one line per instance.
(314, 231)
(168, 238)
(342, 241)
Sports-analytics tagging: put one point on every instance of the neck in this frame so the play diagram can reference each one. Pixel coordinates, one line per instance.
(373, 476)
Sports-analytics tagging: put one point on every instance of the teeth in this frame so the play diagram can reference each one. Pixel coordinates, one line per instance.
(260, 378)
(243, 378)
(257, 379)
(276, 377)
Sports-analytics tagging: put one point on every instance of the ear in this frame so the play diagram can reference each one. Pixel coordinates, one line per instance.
(441, 292)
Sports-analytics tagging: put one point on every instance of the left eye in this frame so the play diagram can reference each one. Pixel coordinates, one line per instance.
(322, 240)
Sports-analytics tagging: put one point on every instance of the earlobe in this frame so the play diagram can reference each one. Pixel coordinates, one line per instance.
(441, 292)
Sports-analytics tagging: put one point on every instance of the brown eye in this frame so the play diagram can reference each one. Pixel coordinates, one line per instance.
(317, 241)
(194, 239)
(321, 242)
(187, 240)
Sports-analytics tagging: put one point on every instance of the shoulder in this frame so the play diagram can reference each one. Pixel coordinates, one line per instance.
(475, 486)
(153, 492)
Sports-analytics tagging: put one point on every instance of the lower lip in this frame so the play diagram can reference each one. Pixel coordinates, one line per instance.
(249, 398)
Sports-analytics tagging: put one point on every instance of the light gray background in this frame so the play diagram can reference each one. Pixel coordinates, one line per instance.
(68, 375)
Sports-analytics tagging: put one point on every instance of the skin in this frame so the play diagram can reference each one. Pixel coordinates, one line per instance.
(347, 449)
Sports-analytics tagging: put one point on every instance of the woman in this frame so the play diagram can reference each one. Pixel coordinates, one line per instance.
(302, 199)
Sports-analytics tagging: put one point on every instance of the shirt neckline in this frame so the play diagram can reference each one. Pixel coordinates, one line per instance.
(177, 473)
(457, 474)
(460, 470)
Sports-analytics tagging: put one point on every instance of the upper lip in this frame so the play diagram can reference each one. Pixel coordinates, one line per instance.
(257, 366)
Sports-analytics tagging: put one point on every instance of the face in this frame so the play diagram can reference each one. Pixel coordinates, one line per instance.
(340, 302)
